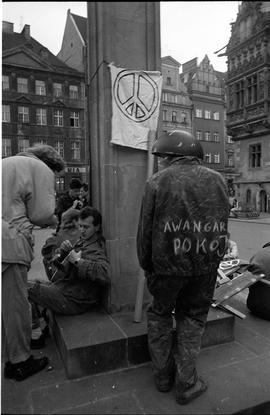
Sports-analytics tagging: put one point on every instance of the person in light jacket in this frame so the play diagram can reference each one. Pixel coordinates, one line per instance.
(28, 199)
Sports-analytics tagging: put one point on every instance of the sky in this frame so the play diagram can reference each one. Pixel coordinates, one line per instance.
(189, 29)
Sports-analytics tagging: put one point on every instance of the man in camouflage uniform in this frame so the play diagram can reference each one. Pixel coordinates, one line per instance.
(181, 240)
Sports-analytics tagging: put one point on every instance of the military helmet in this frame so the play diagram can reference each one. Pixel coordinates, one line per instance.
(177, 143)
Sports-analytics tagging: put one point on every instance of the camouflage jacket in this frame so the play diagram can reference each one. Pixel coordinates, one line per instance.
(183, 220)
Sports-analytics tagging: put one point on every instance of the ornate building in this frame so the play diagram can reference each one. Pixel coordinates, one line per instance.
(206, 88)
(43, 101)
(248, 106)
(176, 104)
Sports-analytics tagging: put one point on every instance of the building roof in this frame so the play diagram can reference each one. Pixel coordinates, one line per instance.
(14, 40)
(81, 23)
(170, 60)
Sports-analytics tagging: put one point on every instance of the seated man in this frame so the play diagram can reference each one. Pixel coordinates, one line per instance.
(232, 250)
(77, 288)
(69, 230)
(258, 300)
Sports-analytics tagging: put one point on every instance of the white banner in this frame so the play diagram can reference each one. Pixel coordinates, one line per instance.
(136, 97)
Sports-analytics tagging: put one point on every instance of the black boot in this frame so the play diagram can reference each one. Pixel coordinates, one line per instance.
(186, 394)
(22, 370)
(8, 371)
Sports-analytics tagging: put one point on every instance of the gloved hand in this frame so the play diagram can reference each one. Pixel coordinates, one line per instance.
(74, 256)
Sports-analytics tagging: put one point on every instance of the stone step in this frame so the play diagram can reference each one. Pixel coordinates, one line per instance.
(97, 342)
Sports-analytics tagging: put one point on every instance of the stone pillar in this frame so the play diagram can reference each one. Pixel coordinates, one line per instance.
(127, 34)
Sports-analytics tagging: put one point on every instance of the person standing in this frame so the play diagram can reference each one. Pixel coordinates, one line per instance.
(84, 195)
(258, 299)
(71, 198)
(28, 199)
(181, 239)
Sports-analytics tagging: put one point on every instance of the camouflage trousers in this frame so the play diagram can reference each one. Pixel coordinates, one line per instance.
(190, 298)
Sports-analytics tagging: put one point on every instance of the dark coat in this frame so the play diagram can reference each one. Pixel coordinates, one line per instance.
(63, 203)
(183, 221)
(258, 300)
(82, 283)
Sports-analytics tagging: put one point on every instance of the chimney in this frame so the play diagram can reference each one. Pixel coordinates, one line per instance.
(7, 27)
(26, 31)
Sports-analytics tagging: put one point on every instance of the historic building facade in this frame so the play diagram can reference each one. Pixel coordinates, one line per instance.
(42, 102)
(248, 112)
(176, 104)
(206, 88)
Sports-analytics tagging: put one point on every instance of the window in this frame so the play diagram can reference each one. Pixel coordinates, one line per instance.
(252, 89)
(164, 115)
(60, 184)
(174, 116)
(40, 141)
(207, 158)
(216, 137)
(6, 113)
(207, 114)
(174, 98)
(57, 89)
(255, 155)
(73, 92)
(229, 139)
(58, 118)
(22, 85)
(5, 83)
(198, 113)
(239, 87)
(6, 147)
(230, 160)
(41, 116)
(199, 134)
(248, 196)
(23, 114)
(183, 117)
(40, 88)
(260, 86)
(59, 147)
(207, 136)
(23, 144)
(216, 115)
(76, 150)
(216, 158)
(74, 119)
(165, 96)
(169, 80)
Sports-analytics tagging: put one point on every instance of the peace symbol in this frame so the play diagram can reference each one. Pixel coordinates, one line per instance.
(136, 95)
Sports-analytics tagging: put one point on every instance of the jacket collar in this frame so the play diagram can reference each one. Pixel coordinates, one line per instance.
(185, 160)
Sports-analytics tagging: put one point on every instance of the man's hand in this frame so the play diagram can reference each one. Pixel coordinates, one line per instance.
(77, 204)
(74, 256)
(66, 246)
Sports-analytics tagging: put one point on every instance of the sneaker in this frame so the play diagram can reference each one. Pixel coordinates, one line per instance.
(38, 343)
(185, 396)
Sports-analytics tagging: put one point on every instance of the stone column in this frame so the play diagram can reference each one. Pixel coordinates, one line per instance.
(127, 34)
